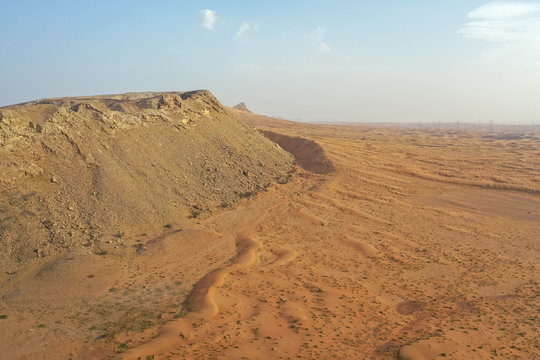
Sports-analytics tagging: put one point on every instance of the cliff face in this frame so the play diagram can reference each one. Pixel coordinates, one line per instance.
(91, 170)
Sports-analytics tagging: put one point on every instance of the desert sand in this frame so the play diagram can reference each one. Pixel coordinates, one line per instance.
(387, 243)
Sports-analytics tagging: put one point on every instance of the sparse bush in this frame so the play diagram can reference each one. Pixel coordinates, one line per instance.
(247, 194)
(224, 204)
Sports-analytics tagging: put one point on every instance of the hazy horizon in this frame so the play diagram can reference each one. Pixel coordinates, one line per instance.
(390, 61)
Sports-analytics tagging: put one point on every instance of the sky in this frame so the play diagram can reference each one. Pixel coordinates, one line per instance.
(345, 61)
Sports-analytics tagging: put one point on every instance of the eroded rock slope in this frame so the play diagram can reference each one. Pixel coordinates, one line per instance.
(88, 171)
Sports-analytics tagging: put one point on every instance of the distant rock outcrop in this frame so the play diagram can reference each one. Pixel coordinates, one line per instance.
(242, 106)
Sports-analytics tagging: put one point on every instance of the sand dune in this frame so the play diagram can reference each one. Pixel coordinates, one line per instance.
(401, 279)
(395, 253)
(201, 304)
(363, 247)
(283, 256)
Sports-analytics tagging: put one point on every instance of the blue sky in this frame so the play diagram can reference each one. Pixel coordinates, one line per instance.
(417, 61)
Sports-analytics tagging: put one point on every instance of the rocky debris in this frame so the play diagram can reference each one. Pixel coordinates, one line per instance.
(242, 106)
(77, 170)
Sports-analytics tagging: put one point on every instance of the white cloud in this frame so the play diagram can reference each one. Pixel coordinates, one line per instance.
(316, 37)
(244, 28)
(208, 18)
(324, 46)
(504, 22)
(503, 10)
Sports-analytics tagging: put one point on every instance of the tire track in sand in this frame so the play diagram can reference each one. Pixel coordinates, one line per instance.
(201, 303)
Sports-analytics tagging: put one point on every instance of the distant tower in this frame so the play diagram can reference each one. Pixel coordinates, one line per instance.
(491, 125)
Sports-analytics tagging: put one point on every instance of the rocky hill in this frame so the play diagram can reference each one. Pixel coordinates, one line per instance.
(91, 171)
(242, 106)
